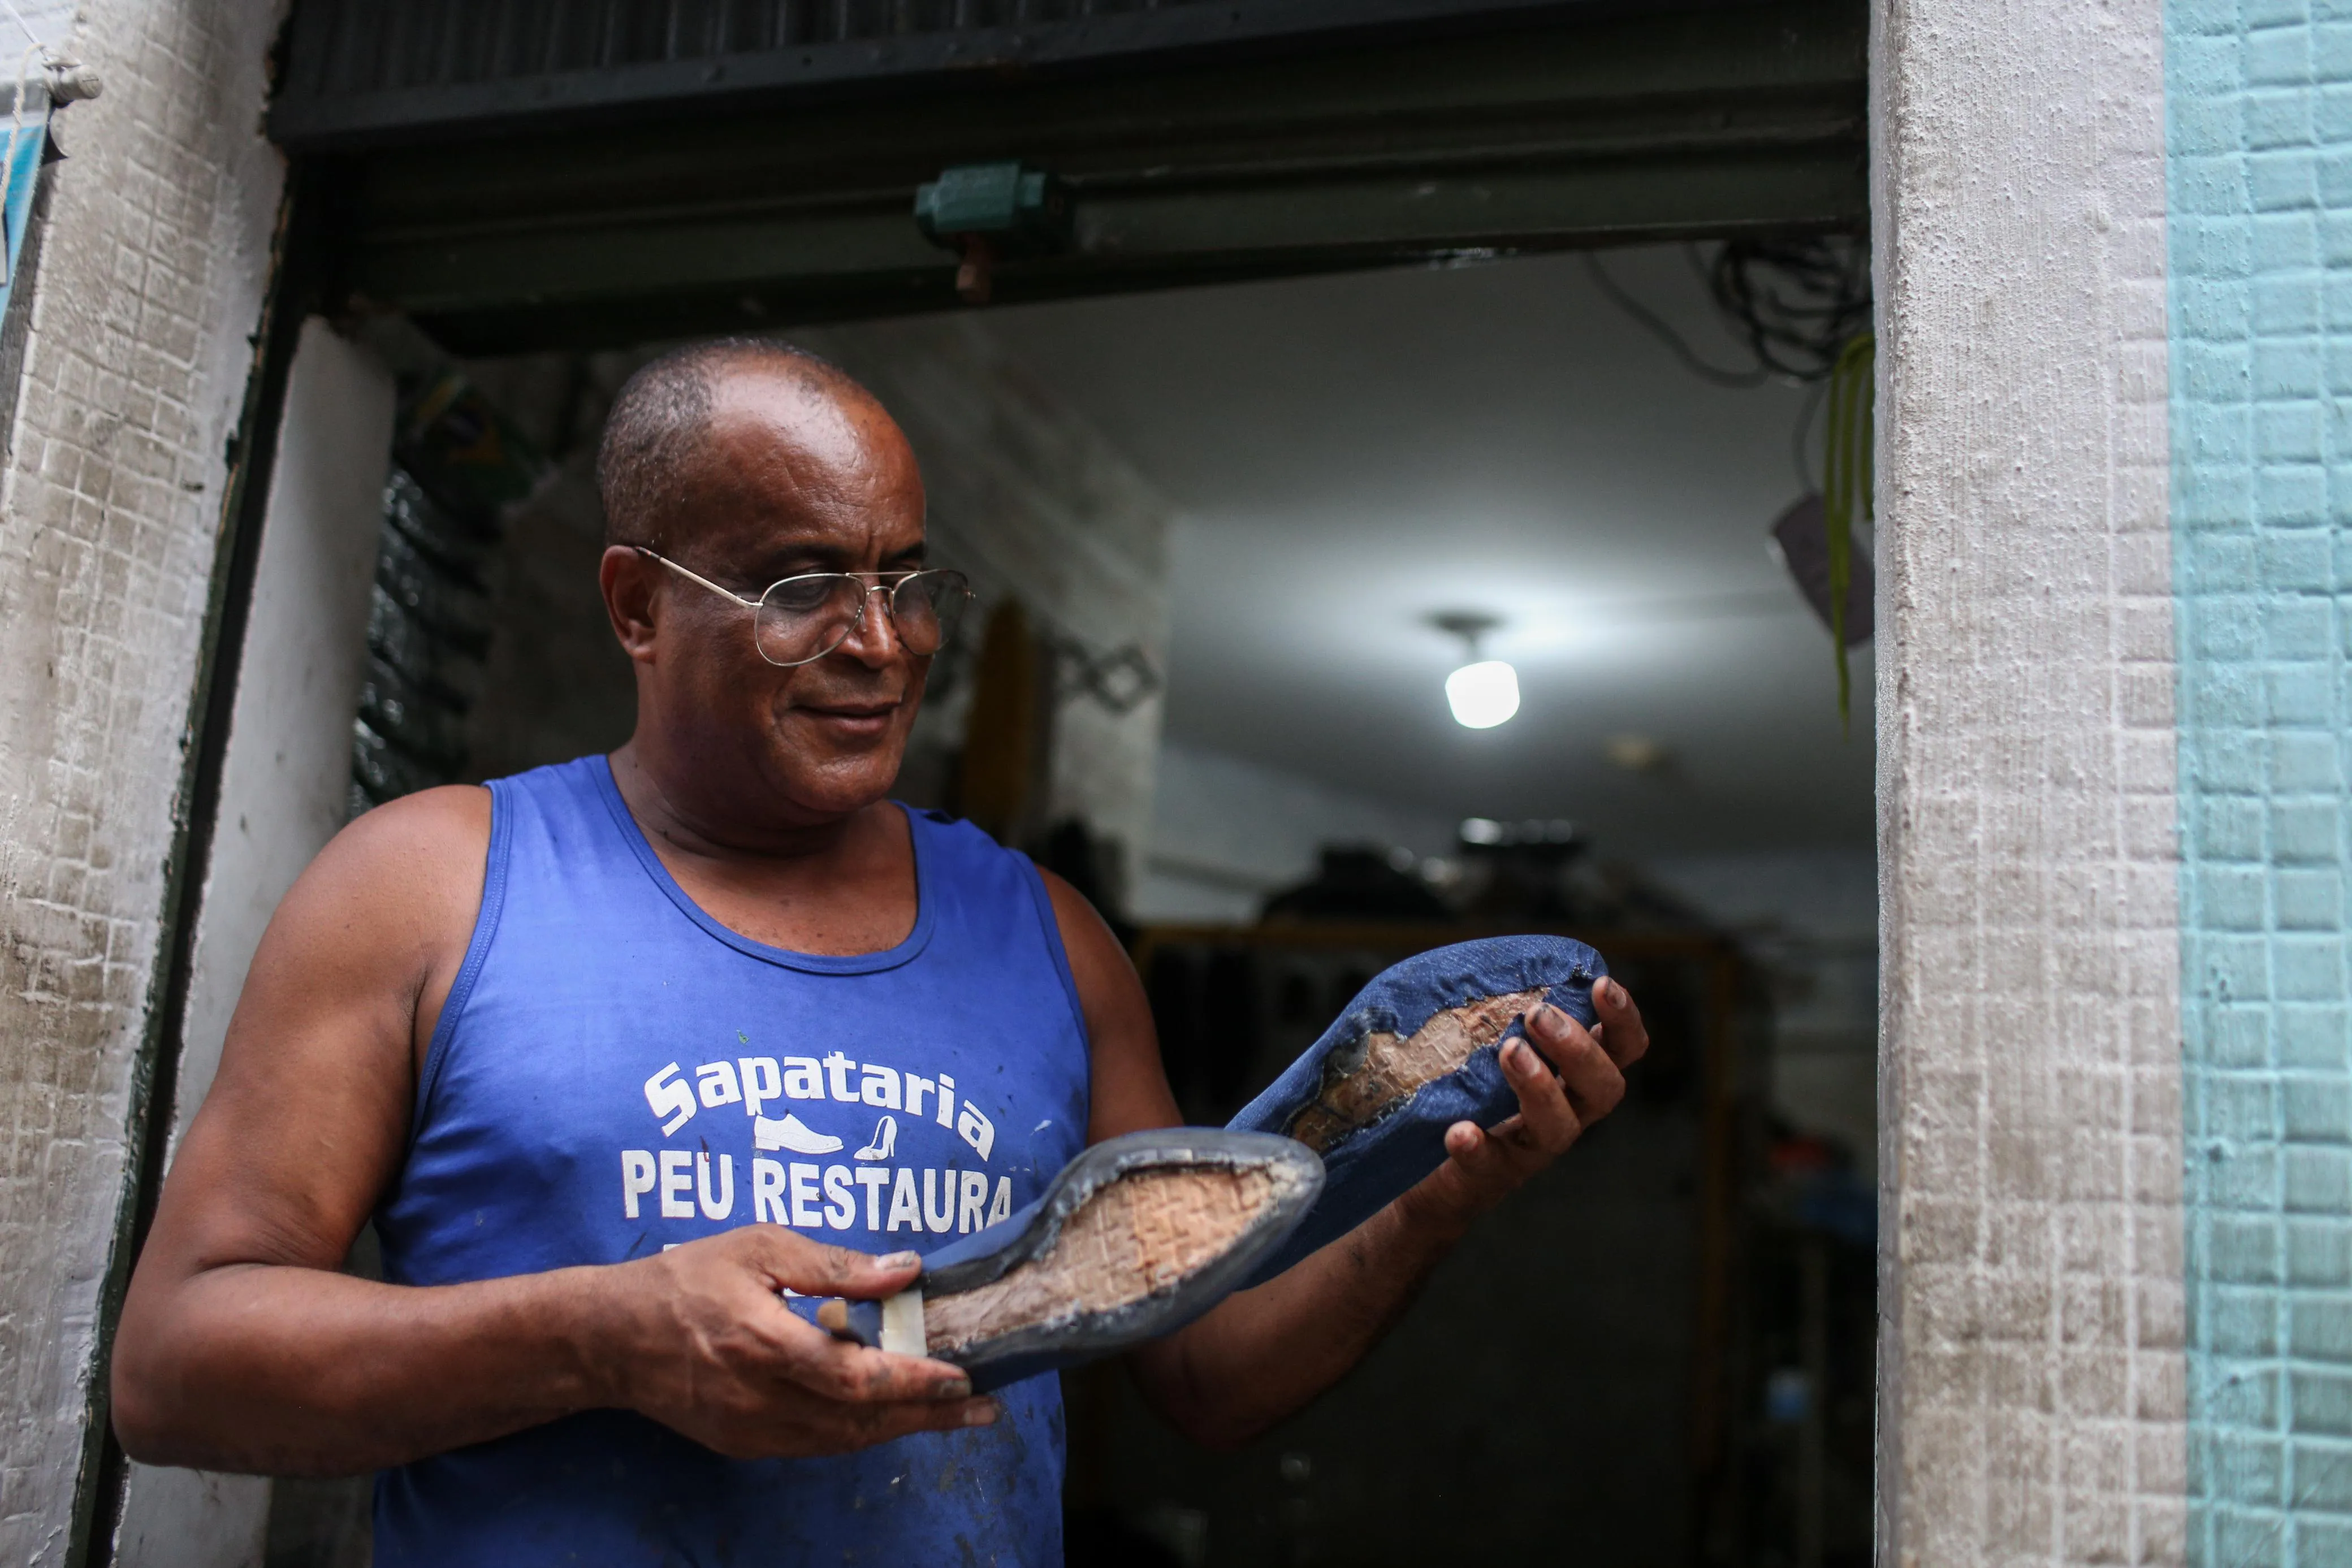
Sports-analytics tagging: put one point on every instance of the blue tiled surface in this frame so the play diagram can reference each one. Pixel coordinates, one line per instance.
(2259, 105)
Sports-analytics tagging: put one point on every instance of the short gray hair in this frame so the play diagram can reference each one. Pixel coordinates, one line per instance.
(661, 415)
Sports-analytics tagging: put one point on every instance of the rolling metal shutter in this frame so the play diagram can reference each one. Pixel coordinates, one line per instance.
(530, 173)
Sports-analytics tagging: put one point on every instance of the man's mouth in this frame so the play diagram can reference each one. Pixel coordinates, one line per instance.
(857, 717)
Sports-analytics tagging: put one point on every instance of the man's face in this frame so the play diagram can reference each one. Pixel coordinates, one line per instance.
(794, 477)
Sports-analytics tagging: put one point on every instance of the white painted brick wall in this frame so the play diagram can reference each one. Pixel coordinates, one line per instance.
(150, 283)
(2032, 1389)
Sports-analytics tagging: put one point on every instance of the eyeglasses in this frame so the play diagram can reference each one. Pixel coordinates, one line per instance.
(801, 619)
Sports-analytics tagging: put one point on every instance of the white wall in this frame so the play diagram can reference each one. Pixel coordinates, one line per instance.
(1226, 831)
(148, 290)
(285, 788)
(2031, 1376)
(286, 776)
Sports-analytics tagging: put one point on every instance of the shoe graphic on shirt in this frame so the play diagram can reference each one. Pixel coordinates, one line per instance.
(791, 1134)
(885, 1144)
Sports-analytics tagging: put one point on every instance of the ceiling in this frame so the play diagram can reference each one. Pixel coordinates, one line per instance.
(1354, 454)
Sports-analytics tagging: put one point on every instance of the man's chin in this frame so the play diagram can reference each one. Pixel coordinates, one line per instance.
(846, 765)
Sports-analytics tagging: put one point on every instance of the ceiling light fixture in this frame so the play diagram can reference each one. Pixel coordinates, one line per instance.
(1483, 692)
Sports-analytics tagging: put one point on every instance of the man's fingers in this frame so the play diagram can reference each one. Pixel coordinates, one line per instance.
(888, 1376)
(1546, 1119)
(868, 1425)
(839, 1271)
(1591, 1077)
(1550, 1030)
(813, 1269)
(1593, 1084)
(864, 1423)
(1485, 1157)
(854, 1374)
(802, 1426)
(1626, 1040)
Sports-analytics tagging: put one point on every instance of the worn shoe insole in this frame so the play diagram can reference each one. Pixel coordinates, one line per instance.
(1134, 1239)
(1412, 1055)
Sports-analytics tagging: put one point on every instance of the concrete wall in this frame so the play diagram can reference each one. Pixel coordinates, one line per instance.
(2114, 782)
(2031, 1400)
(2261, 232)
(285, 775)
(150, 284)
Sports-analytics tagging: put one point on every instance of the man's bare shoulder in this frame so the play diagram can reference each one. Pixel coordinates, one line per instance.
(405, 877)
(438, 836)
(451, 816)
(1096, 960)
(1131, 1090)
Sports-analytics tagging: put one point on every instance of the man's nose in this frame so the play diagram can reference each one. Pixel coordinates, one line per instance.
(874, 640)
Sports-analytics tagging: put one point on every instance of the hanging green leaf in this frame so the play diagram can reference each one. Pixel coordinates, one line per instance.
(1846, 485)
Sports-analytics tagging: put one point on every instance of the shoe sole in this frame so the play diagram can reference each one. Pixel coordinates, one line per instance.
(1413, 1053)
(1133, 1240)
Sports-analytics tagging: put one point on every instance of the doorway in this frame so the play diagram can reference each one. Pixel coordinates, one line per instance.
(1241, 524)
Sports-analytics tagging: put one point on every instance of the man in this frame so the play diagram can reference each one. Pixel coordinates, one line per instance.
(604, 1048)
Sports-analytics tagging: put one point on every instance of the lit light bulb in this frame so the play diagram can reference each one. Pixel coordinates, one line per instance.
(1482, 694)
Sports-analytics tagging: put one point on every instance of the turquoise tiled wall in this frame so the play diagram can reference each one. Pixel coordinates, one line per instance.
(2259, 104)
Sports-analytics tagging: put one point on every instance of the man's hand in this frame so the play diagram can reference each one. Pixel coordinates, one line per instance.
(1577, 1079)
(1263, 1353)
(708, 1348)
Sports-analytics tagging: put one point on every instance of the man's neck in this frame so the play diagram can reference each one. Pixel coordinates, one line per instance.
(693, 822)
(838, 885)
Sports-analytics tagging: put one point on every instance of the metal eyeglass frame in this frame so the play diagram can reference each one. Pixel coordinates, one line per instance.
(887, 584)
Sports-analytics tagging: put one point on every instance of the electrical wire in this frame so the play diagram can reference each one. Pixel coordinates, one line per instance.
(1796, 303)
(10, 5)
(1656, 327)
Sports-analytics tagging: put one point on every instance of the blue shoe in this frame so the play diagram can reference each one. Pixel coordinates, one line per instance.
(1414, 1053)
(1135, 1239)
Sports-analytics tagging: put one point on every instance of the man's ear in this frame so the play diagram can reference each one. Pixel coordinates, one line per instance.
(628, 583)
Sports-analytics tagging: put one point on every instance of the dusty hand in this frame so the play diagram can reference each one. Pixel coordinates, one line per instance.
(707, 1348)
(1484, 1166)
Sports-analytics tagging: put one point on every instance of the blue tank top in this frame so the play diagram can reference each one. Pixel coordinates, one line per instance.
(615, 1072)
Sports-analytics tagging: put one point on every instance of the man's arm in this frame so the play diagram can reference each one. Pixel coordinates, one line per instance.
(1262, 1354)
(243, 1348)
